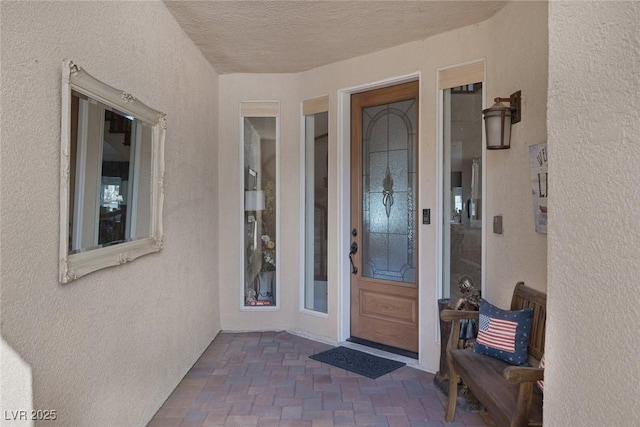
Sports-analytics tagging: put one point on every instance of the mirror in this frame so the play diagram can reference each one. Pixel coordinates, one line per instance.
(111, 176)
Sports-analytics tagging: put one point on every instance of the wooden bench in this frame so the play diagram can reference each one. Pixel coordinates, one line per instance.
(507, 392)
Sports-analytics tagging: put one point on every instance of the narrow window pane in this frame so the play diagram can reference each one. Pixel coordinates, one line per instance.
(316, 196)
(260, 262)
(463, 192)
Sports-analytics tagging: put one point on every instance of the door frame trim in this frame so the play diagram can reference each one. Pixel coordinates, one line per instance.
(344, 194)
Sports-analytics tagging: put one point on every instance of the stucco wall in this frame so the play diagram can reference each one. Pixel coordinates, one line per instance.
(514, 44)
(594, 231)
(107, 349)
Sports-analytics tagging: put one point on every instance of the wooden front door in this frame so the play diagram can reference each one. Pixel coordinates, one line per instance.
(384, 233)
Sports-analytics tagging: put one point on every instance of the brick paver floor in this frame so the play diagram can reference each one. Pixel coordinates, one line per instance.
(267, 379)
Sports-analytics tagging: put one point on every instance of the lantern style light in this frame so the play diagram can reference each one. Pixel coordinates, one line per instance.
(498, 120)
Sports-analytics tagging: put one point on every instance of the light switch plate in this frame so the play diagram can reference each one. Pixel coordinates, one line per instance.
(497, 224)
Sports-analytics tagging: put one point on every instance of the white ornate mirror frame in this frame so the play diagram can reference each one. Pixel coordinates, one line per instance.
(77, 264)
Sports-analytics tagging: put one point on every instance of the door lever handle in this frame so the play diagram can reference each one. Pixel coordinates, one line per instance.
(352, 252)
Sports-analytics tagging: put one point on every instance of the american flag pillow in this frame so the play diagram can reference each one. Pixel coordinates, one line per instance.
(504, 334)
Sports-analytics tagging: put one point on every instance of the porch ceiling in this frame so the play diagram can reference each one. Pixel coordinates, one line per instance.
(293, 36)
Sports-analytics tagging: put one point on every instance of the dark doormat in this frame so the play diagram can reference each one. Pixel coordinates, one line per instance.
(358, 362)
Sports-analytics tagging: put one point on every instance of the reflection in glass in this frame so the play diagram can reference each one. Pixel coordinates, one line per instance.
(316, 197)
(389, 182)
(260, 261)
(463, 187)
(109, 152)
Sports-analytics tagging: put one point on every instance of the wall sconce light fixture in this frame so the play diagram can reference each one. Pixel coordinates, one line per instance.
(498, 120)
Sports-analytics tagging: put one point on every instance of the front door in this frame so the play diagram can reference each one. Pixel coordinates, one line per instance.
(384, 181)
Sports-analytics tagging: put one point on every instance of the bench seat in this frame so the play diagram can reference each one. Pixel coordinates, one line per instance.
(484, 376)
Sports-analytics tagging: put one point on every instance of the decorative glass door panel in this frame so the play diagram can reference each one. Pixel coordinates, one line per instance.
(389, 179)
(383, 253)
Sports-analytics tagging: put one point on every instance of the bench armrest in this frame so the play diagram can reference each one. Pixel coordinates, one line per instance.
(520, 374)
(525, 377)
(449, 315)
(455, 316)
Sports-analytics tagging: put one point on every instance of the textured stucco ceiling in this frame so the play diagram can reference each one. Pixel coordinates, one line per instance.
(293, 36)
